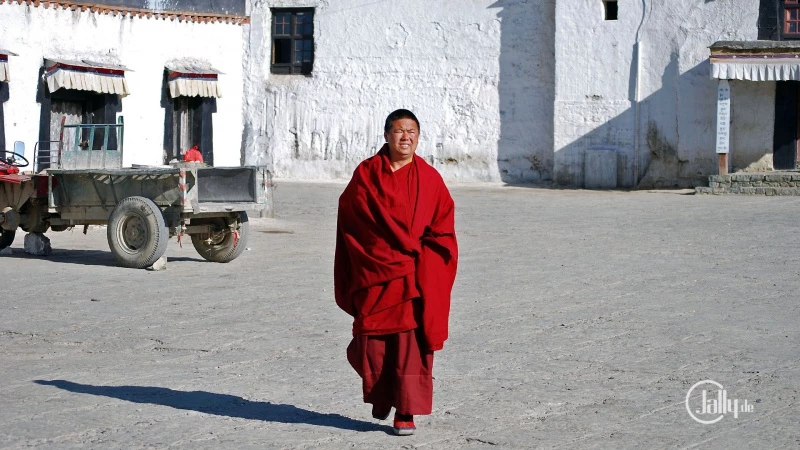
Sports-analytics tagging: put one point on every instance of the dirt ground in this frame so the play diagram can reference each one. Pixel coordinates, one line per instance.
(580, 320)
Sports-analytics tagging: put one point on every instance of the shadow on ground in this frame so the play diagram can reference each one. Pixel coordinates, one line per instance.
(218, 404)
(86, 257)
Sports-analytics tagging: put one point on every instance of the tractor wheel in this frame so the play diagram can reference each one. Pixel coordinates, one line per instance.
(6, 238)
(221, 245)
(137, 235)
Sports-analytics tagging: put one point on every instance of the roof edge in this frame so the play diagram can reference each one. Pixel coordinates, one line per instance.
(124, 11)
(754, 46)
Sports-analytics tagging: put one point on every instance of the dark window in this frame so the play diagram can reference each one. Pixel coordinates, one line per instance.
(610, 10)
(791, 19)
(292, 41)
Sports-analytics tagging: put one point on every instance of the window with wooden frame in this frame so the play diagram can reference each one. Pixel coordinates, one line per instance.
(292, 41)
(791, 19)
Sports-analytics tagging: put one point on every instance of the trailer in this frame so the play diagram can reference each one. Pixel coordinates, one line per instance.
(82, 184)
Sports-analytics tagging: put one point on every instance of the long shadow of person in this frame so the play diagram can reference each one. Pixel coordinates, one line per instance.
(218, 404)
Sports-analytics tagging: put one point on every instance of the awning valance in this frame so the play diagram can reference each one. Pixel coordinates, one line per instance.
(756, 69)
(192, 78)
(755, 60)
(86, 75)
(4, 64)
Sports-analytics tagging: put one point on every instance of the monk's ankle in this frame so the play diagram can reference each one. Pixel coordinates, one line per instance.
(404, 417)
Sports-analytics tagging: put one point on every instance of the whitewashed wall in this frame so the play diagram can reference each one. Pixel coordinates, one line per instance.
(479, 74)
(141, 44)
(595, 90)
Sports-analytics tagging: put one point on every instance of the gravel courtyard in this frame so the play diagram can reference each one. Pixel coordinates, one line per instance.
(580, 320)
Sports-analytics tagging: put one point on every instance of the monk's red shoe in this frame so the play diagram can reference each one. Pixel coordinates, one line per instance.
(380, 414)
(404, 424)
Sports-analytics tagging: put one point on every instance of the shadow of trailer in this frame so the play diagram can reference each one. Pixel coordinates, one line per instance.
(142, 206)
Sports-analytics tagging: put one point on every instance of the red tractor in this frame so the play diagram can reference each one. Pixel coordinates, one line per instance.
(11, 187)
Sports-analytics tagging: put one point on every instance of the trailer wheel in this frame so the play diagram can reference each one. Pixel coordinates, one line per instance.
(221, 245)
(6, 238)
(137, 235)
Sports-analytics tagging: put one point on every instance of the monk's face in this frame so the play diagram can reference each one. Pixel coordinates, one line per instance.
(402, 139)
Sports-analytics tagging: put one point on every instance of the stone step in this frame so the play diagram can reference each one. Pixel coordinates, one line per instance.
(770, 183)
(769, 191)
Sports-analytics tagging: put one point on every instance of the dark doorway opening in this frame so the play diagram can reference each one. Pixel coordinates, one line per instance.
(786, 125)
(188, 121)
(74, 107)
(3, 99)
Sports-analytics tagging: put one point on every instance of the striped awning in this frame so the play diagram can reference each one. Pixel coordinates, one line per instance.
(755, 61)
(193, 78)
(84, 75)
(4, 64)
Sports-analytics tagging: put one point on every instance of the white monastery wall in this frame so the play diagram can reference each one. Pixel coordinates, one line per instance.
(144, 46)
(479, 75)
(668, 137)
(501, 91)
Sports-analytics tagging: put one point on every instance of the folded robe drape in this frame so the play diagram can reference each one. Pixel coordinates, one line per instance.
(376, 244)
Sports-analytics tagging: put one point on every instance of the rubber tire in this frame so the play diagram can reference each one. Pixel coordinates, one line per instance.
(224, 251)
(141, 212)
(7, 238)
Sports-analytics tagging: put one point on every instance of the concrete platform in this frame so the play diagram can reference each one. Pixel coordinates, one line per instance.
(580, 319)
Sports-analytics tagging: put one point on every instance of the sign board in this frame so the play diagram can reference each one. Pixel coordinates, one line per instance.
(723, 117)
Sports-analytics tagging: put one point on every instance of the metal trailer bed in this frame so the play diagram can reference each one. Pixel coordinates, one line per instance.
(142, 206)
(91, 195)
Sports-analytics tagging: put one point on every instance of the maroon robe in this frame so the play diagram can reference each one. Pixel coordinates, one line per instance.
(395, 264)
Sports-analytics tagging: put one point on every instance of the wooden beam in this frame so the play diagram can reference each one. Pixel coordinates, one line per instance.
(722, 164)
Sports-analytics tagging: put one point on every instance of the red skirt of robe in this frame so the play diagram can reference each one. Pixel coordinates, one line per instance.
(395, 371)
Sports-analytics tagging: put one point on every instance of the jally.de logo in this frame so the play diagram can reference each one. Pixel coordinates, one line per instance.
(713, 403)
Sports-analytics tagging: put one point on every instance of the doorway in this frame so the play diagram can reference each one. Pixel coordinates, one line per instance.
(785, 141)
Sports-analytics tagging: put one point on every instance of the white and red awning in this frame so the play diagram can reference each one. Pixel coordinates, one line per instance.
(84, 75)
(756, 67)
(4, 64)
(193, 78)
(755, 60)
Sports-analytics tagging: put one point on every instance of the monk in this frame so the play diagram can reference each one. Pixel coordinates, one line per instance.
(394, 268)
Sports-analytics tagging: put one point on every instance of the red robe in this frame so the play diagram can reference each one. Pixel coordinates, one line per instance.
(395, 264)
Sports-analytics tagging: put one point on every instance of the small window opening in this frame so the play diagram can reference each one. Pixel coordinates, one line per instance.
(610, 9)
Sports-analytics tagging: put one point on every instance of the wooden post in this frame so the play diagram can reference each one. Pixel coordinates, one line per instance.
(722, 163)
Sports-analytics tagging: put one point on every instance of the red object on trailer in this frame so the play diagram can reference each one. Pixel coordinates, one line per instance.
(193, 155)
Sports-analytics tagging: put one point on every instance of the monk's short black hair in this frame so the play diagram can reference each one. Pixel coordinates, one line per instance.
(397, 115)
